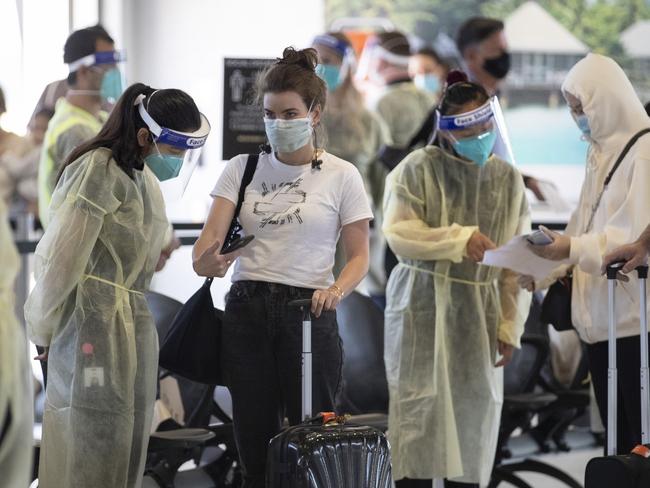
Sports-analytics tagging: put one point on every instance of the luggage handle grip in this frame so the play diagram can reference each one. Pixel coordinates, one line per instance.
(300, 304)
(614, 268)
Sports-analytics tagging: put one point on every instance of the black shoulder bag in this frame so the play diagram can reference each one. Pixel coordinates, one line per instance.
(556, 307)
(192, 346)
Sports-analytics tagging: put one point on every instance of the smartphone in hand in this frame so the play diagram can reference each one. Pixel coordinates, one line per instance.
(237, 244)
(539, 238)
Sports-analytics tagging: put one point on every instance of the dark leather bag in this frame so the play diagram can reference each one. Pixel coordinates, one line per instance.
(192, 346)
(556, 307)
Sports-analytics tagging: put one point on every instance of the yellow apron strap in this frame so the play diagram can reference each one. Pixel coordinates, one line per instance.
(107, 282)
(450, 278)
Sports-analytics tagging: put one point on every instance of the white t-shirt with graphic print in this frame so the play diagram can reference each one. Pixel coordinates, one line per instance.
(296, 214)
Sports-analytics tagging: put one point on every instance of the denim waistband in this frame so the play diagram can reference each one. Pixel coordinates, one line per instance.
(268, 288)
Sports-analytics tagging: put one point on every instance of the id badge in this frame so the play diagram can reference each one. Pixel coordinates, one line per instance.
(93, 377)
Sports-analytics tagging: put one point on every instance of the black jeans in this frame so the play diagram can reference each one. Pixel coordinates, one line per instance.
(262, 365)
(628, 357)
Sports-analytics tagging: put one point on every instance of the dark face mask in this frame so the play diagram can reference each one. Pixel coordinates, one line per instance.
(499, 66)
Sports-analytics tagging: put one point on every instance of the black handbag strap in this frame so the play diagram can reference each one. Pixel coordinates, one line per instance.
(618, 162)
(626, 150)
(251, 166)
(235, 227)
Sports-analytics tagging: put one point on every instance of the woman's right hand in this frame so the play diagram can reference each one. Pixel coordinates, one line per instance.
(477, 245)
(212, 264)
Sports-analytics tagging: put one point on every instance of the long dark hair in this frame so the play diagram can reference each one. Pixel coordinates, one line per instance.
(170, 108)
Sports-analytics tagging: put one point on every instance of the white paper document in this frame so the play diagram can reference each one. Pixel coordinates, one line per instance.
(517, 256)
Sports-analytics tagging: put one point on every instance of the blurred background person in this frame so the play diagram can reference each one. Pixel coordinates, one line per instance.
(352, 133)
(401, 105)
(16, 402)
(13, 149)
(59, 88)
(428, 71)
(482, 44)
(94, 79)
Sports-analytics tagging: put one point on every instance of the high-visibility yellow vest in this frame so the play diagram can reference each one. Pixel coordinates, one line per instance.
(66, 116)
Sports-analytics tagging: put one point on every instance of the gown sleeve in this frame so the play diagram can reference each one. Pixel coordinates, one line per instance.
(82, 199)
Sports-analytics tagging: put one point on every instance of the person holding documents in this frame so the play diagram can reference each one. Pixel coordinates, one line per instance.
(448, 318)
(612, 211)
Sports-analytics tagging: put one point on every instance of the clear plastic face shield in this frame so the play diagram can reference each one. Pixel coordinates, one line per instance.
(471, 134)
(106, 63)
(378, 64)
(337, 60)
(175, 154)
(485, 125)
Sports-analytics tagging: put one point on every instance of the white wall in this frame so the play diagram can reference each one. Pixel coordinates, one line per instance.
(181, 44)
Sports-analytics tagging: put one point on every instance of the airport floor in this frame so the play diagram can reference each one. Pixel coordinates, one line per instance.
(573, 463)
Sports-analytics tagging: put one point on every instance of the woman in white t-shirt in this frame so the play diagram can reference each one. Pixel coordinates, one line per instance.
(299, 202)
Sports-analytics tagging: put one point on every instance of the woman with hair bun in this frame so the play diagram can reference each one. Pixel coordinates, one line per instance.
(450, 321)
(298, 203)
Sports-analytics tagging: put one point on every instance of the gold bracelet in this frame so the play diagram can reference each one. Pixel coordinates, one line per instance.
(337, 289)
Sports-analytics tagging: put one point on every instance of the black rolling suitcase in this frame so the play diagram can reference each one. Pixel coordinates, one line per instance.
(324, 452)
(628, 470)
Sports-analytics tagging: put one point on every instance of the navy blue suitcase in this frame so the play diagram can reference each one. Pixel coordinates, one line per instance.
(324, 451)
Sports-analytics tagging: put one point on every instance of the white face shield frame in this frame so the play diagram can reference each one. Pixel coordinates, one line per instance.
(191, 143)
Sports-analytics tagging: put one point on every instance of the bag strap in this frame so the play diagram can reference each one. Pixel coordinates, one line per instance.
(618, 162)
(626, 150)
(251, 166)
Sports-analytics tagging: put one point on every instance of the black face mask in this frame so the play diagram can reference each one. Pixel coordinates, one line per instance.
(499, 66)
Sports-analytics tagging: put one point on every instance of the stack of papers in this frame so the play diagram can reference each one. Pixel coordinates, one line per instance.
(517, 256)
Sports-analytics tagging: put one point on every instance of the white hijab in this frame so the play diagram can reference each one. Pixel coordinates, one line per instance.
(610, 103)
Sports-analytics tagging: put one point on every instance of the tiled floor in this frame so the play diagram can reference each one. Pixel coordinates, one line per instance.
(573, 462)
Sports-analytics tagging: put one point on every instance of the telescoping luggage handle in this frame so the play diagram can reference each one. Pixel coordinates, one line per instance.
(305, 307)
(612, 374)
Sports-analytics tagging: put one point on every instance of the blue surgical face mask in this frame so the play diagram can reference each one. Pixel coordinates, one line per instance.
(330, 74)
(111, 88)
(164, 166)
(478, 148)
(583, 124)
(287, 136)
(427, 82)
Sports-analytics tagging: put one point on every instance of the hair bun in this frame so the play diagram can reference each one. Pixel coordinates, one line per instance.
(305, 58)
(456, 76)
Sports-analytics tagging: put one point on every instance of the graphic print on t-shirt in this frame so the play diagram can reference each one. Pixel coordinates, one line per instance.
(280, 203)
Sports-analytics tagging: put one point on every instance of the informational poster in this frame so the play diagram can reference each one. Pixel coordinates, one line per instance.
(243, 127)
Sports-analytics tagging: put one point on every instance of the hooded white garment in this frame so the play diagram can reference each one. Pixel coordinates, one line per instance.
(16, 402)
(615, 115)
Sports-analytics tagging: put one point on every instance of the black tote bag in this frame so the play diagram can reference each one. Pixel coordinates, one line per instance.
(192, 346)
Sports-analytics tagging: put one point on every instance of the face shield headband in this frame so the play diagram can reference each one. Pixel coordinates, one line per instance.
(469, 119)
(163, 135)
(98, 58)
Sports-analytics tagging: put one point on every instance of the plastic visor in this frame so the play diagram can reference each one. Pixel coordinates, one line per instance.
(372, 54)
(344, 50)
(190, 142)
(491, 110)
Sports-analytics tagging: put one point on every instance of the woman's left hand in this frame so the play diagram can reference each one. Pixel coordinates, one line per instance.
(558, 250)
(324, 300)
(506, 351)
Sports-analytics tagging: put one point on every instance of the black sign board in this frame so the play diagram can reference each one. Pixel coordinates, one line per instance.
(243, 127)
